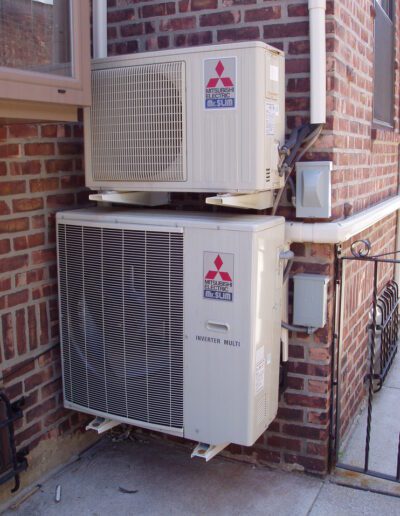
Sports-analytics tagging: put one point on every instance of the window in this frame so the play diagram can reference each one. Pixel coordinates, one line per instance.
(36, 35)
(387, 6)
(384, 63)
(44, 55)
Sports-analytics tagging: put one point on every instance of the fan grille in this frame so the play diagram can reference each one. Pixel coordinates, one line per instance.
(137, 123)
(121, 305)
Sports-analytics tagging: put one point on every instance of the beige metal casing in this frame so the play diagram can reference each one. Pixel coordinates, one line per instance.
(230, 348)
(221, 150)
(231, 377)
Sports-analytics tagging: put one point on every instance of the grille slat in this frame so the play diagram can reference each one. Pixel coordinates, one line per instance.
(121, 303)
(137, 123)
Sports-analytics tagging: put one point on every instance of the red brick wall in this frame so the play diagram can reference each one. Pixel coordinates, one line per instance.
(365, 168)
(366, 159)
(135, 26)
(366, 171)
(300, 434)
(40, 173)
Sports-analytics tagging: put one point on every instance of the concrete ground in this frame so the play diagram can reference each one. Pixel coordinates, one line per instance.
(157, 478)
(385, 428)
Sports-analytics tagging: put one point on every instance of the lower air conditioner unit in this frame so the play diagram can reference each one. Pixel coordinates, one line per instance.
(206, 119)
(171, 321)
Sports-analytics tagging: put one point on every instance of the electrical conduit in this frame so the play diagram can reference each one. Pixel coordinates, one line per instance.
(342, 230)
(99, 28)
(317, 9)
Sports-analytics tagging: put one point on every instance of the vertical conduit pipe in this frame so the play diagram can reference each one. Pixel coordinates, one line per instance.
(317, 10)
(99, 28)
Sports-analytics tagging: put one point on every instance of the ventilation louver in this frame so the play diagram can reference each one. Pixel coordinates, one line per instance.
(121, 295)
(137, 123)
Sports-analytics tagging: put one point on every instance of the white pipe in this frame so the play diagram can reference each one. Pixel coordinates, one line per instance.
(99, 28)
(340, 231)
(317, 9)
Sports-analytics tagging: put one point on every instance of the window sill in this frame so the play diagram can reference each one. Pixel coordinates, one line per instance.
(379, 124)
(26, 110)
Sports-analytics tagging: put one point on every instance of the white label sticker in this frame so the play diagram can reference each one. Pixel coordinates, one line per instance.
(274, 73)
(218, 276)
(271, 117)
(260, 370)
(220, 83)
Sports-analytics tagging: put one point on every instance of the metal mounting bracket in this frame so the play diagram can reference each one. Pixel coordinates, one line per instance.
(255, 201)
(133, 198)
(101, 425)
(207, 451)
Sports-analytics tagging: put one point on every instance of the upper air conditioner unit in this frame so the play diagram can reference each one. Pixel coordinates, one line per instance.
(172, 321)
(206, 119)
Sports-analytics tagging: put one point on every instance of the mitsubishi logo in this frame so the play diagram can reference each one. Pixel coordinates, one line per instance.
(226, 81)
(225, 276)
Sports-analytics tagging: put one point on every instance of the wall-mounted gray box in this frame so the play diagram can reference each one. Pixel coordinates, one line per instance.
(313, 189)
(310, 300)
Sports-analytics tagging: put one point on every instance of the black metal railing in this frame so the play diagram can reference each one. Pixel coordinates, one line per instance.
(383, 331)
(386, 332)
(12, 463)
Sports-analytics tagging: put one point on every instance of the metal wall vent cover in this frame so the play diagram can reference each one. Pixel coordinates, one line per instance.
(121, 305)
(138, 123)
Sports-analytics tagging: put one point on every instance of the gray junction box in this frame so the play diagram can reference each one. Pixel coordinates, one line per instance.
(310, 300)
